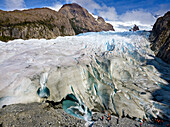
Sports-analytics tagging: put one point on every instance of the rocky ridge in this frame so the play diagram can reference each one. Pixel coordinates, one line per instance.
(82, 21)
(46, 23)
(33, 23)
(160, 37)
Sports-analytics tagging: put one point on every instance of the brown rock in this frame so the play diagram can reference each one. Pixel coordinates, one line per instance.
(34, 23)
(105, 26)
(160, 37)
(135, 28)
(82, 21)
(45, 23)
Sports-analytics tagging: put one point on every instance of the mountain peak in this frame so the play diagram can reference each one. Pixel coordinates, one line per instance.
(82, 21)
(73, 5)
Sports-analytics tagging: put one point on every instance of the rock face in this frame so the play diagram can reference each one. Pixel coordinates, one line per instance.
(33, 23)
(82, 21)
(45, 23)
(160, 37)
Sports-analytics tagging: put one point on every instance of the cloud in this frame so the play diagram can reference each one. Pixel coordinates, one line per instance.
(138, 15)
(56, 6)
(90, 5)
(14, 4)
(108, 13)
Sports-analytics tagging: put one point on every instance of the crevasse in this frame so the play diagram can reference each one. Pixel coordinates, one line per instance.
(105, 71)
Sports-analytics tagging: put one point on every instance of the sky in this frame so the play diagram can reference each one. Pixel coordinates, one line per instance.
(142, 11)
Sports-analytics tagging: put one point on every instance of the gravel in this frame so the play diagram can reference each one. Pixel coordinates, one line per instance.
(46, 115)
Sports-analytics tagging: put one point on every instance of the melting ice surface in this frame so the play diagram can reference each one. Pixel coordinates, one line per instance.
(114, 71)
(76, 107)
(43, 91)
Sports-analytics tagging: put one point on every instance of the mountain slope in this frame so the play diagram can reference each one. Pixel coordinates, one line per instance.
(33, 23)
(47, 23)
(160, 37)
(82, 21)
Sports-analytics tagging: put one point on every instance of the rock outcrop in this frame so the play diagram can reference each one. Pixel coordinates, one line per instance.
(33, 23)
(46, 23)
(160, 37)
(135, 28)
(82, 21)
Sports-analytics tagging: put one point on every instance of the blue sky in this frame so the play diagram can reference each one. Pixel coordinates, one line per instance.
(108, 9)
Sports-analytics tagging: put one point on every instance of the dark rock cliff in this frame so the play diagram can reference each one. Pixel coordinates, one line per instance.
(160, 37)
(45, 23)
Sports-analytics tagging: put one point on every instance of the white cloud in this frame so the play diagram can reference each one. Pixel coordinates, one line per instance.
(138, 15)
(122, 26)
(108, 13)
(90, 5)
(14, 4)
(56, 6)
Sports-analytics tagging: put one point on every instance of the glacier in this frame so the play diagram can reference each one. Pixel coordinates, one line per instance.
(109, 71)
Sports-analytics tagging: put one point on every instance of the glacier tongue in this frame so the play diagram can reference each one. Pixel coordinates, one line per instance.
(113, 71)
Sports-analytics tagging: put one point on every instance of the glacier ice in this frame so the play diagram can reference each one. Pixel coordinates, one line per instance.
(76, 108)
(113, 71)
(43, 91)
